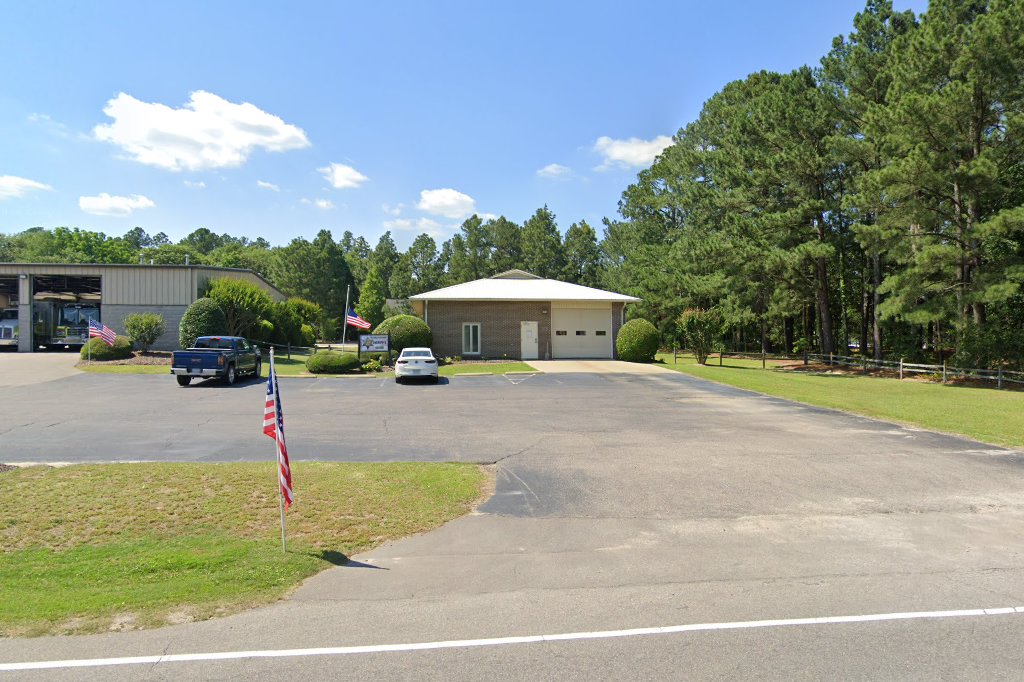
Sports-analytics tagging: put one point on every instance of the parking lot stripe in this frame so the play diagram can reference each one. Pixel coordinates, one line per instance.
(505, 641)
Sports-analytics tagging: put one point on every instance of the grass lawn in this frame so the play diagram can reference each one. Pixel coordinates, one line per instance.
(484, 368)
(985, 414)
(89, 548)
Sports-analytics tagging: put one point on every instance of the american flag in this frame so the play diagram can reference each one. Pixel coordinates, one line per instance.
(357, 321)
(102, 331)
(273, 426)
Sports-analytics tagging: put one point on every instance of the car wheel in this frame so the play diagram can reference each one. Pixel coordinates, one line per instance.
(434, 379)
(398, 380)
(259, 369)
(230, 376)
(183, 380)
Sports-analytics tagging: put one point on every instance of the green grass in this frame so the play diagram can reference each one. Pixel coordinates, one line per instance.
(484, 368)
(90, 547)
(984, 414)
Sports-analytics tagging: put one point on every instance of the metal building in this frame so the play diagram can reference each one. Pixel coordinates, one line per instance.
(50, 304)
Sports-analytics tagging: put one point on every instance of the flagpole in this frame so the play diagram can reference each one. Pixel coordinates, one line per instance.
(344, 324)
(277, 455)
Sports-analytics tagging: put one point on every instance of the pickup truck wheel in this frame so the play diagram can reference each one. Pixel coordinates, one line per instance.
(259, 369)
(183, 380)
(230, 376)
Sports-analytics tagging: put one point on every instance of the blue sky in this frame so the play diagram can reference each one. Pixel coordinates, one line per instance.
(279, 119)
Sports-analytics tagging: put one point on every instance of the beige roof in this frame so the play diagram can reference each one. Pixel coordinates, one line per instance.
(517, 285)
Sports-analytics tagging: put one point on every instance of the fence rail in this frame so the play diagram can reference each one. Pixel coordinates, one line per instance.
(999, 376)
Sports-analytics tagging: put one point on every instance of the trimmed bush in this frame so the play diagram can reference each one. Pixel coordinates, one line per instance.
(203, 318)
(407, 331)
(97, 349)
(332, 362)
(308, 336)
(243, 303)
(144, 328)
(637, 341)
(700, 329)
(265, 330)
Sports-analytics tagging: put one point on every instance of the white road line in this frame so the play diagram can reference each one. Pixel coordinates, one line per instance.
(502, 641)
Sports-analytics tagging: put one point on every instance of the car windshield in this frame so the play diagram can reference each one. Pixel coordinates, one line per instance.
(416, 354)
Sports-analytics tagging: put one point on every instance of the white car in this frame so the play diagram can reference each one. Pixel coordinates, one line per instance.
(415, 362)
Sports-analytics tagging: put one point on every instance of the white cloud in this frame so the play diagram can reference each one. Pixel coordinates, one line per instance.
(631, 153)
(555, 171)
(486, 216)
(195, 185)
(427, 225)
(53, 127)
(446, 202)
(342, 177)
(12, 187)
(392, 210)
(322, 204)
(104, 204)
(268, 185)
(208, 132)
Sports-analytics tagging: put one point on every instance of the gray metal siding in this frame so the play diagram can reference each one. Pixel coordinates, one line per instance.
(113, 316)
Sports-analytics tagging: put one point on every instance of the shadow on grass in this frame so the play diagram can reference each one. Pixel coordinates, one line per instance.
(339, 559)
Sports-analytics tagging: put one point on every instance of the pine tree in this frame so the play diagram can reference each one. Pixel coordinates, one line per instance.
(542, 245)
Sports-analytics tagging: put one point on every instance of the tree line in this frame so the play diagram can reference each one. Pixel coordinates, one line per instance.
(873, 201)
(322, 269)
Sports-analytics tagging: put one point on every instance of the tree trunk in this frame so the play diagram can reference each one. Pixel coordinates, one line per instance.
(876, 322)
(787, 335)
(865, 308)
(821, 300)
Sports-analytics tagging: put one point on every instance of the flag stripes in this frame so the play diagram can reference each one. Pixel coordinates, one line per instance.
(273, 426)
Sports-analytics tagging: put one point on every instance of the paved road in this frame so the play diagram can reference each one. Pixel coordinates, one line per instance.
(621, 502)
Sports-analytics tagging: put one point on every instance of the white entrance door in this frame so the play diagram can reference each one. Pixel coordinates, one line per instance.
(528, 340)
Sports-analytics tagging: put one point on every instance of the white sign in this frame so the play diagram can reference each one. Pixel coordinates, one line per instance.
(373, 343)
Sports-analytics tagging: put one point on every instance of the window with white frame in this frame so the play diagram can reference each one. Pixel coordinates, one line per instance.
(471, 338)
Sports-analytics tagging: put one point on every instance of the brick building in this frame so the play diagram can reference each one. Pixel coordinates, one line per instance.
(518, 315)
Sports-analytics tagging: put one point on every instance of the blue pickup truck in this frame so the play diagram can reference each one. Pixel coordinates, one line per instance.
(227, 357)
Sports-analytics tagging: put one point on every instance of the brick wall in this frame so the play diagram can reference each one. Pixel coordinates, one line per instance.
(616, 325)
(499, 326)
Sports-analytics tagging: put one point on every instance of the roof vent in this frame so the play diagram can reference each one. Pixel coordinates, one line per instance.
(515, 274)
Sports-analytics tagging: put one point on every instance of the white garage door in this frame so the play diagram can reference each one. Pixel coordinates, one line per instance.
(578, 332)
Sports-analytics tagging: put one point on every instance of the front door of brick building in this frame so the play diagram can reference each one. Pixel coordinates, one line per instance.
(528, 340)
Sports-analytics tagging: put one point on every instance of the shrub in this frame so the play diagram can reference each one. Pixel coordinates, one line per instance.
(637, 341)
(265, 331)
(700, 330)
(243, 303)
(406, 331)
(97, 349)
(371, 366)
(203, 318)
(331, 362)
(144, 328)
(308, 336)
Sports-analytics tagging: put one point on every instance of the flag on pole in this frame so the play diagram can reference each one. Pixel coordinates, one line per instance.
(357, 321)
(103, 331)
(273, 426)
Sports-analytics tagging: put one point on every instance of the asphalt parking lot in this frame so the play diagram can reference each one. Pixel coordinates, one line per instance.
(621, 502)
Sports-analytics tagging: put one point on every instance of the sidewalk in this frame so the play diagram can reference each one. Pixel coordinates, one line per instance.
(22, 369)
